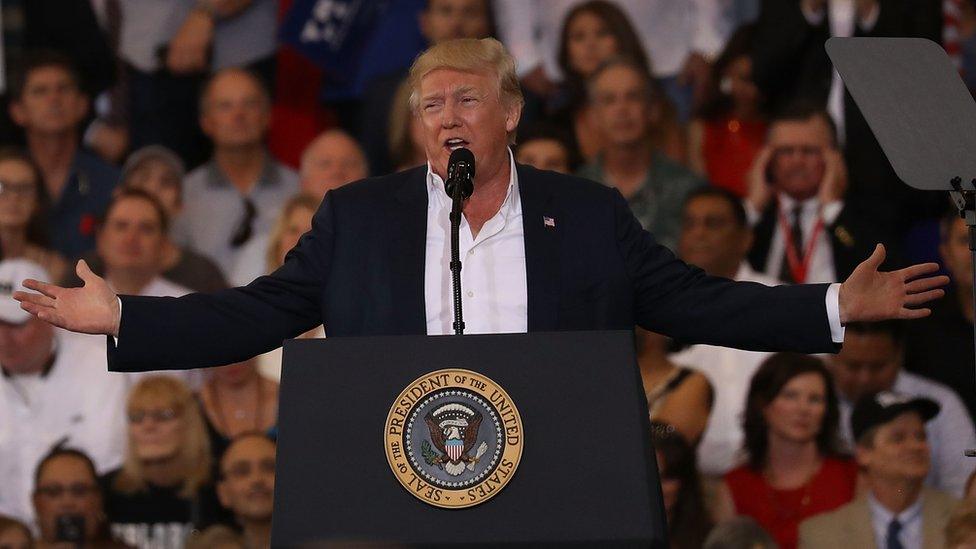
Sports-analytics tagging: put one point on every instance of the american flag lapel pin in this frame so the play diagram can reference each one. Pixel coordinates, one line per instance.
(548, 222)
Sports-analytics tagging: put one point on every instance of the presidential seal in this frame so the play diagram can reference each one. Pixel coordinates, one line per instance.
(453, 438)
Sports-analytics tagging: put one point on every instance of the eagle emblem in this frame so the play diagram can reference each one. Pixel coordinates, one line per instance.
(454, 431)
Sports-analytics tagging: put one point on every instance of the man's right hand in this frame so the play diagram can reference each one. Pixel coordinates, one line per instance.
(92, 309)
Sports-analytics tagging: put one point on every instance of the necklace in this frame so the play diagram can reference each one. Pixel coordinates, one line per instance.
(223, 426)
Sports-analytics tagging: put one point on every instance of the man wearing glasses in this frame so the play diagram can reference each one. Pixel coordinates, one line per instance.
(237, 194)
(41, 405)
(804, 231)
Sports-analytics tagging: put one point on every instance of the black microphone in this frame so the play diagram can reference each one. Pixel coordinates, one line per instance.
(460, 173)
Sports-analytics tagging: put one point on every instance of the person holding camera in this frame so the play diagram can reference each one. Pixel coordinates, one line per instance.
(804, 230)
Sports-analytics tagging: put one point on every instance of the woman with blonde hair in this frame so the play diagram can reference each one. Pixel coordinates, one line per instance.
(164, 489)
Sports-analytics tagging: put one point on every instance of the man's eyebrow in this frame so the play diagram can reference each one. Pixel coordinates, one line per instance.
(465, 89)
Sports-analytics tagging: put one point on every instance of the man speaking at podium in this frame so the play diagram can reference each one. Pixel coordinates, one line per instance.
(541, 252)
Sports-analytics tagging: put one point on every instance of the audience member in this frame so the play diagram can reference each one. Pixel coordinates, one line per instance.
(14, 534)
(960, 530)
(790, 64)
(729, 130)
(794, 470)
(739, 533)
(47, 102)
(684, 505)
(246, 486)
(24, 205)
(677, 396)
(163, 489)
(406, 132)
(940, 346)
(805, 231)
(333, 159)
(68, 502)
(169, 47)
(237, 194)
(896, 510)
(869, 362)
(546, 147)
(235, 400)
(716, 237)
(440, 20)
(655, 187)
(54, 389)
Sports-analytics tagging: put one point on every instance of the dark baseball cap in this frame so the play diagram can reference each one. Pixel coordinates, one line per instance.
(880, 408)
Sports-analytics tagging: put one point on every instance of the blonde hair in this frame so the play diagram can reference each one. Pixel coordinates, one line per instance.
(274, 242)
(470, 55)
(194, 454)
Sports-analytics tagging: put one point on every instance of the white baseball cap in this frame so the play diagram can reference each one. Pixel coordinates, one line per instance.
(12, 275)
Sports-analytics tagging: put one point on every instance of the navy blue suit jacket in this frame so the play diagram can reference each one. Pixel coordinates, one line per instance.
(360, 272)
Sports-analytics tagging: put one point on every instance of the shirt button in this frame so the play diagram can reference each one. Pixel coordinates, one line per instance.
(470, 293)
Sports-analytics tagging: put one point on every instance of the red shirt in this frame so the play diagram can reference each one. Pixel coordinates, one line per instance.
(780, 512)
(728, 147)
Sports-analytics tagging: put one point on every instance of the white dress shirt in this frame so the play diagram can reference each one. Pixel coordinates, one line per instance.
(910, 519)
(949, 434)
(821, 268)
(78, 402)
(495, 291)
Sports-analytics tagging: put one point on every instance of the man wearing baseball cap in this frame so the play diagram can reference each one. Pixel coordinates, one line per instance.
(54, 388)
(896, 510)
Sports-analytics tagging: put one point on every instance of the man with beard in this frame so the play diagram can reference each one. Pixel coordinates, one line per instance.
(246, 485)
(804, 230)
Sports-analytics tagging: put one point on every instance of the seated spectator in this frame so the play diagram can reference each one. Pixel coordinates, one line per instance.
(940, 346)
(676, 396)
(24, 204)
(246, 486)
(739, 533)
(794, 469)
(14, 534)
(805, 232)
(47, 102)
(163, 489)
(684, 506)
(237, 399)
(621, 95)
(960, 531)
(159, 172)
(68, 502)
(870, 362)
(237, 194)
(730, 129)
(546, 147)
(333, 159)
(896, 510)
(406, 133)
(54, 389)
(716, 237)
(440, 20)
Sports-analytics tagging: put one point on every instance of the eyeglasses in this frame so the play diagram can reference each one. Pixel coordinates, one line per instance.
(22, 190)
(77, 490)
(243, 232)
(242, 469)
(159, 416)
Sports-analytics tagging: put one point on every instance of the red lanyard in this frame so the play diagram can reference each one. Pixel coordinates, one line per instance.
(799, 267)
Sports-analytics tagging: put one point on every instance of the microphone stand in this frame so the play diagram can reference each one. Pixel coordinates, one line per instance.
(456, 206)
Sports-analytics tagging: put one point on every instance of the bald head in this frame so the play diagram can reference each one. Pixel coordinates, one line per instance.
(330, 161)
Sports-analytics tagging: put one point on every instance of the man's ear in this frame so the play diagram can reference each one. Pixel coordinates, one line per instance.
(512, 117)
(222, 494)
(17, 113)
(862, 455)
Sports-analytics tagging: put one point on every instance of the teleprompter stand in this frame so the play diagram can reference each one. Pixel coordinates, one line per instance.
(921, 113)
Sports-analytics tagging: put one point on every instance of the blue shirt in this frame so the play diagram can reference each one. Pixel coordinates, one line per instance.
(910, 535)
(71, 220)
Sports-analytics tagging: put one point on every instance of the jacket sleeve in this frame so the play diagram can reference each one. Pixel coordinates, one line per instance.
(201, 330)
(681, 301)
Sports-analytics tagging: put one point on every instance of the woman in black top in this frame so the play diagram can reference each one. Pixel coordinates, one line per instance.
(163, 491)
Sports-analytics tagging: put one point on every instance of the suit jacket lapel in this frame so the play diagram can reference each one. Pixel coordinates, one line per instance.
(409, 247)
(541, 250)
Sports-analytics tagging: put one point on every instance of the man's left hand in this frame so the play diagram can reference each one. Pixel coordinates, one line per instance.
(871, 295)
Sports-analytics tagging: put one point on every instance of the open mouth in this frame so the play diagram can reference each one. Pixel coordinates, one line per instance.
(455, 143)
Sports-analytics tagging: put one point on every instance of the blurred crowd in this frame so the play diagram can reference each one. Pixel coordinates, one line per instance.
(183, 146)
